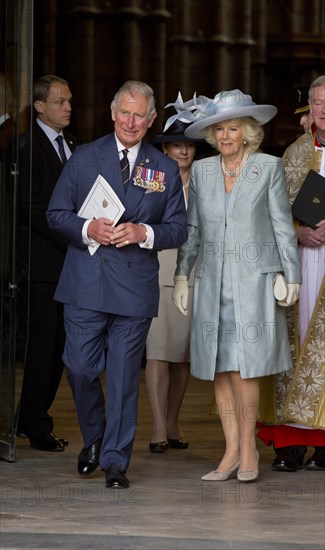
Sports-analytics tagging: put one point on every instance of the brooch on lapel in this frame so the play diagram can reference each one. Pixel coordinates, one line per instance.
(255, 170)
(151, 180)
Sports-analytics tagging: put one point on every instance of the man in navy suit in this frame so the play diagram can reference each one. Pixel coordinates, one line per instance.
(40, 164)
(111, 296)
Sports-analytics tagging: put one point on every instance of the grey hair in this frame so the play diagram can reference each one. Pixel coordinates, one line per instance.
(41, 88)
(253, 133)
(320, 81)
(136, 87)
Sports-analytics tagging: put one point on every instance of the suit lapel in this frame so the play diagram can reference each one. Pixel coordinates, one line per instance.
(215, 199)
(69, 140)
(46, 144)
(109, 165)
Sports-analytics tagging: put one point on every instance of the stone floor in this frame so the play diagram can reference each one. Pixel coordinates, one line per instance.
(45, 504)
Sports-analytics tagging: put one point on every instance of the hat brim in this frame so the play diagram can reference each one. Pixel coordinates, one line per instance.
(171, 138)
(305, 109)
(261, 113)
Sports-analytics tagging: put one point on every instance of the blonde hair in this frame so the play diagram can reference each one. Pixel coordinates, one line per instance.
(253, 133)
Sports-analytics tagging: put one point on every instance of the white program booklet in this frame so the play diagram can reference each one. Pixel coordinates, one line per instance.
(101, 202)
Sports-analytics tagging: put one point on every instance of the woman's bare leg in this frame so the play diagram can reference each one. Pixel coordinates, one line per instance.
(157, 382)
(229, 416)
(178, 379)
(247, 393)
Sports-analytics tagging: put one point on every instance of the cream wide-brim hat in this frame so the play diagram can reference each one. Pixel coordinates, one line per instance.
(226, 106)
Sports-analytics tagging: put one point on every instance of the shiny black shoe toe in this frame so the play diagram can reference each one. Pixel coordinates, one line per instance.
(289, 459)
(284, 465)
(46, 442)
(64, 442)
(178, 443)
(159, 447)
(115, 477)
(88, 459)
(315, 463)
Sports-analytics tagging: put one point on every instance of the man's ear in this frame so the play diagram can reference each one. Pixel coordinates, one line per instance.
(113, 114)
(38, 106)
(151, 120)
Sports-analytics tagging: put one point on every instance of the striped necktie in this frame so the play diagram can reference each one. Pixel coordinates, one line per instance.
(59, 139)
(125, 166)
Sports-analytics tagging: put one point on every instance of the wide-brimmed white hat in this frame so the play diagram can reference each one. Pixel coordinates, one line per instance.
(225, 106)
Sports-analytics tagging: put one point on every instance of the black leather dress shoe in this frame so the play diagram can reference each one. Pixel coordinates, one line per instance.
(289, 459)
(317, 460)
(46, 442)
(64, 442)
(159, 447)
(115, 477)
(88, 459)
(178, 443)
(24, 435)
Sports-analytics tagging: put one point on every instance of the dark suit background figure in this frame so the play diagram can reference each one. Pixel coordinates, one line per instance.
(111, 296)
(43, 363)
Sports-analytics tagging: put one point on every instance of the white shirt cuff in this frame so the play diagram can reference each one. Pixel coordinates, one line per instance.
(148, 243)
(85, 239)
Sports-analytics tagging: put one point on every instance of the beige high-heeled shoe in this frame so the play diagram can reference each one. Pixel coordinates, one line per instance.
(248, 475)
(221, 476)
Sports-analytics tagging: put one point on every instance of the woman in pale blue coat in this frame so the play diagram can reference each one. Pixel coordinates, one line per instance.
(240, 235)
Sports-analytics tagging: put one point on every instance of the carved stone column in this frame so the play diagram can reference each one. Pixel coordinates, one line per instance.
(243, 43)
(220, 44)
(45, 22)
(186, 56)
(154, 65)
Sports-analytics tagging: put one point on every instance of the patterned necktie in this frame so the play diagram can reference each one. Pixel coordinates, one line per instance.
(125, 166)
(59, 139)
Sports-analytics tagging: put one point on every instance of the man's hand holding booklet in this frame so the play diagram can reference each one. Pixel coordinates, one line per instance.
(101, 202)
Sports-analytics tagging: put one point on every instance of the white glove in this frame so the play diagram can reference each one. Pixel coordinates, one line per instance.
(292, 295)
(180, 293)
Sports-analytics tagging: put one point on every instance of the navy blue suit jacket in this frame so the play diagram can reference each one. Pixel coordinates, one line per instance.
(120, 281)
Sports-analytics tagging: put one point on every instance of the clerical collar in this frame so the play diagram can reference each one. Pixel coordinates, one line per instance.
(318, 142)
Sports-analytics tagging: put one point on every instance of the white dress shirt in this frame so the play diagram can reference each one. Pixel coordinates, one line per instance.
(52, 135)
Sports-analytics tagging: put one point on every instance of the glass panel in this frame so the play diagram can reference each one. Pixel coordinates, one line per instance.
(15, 84)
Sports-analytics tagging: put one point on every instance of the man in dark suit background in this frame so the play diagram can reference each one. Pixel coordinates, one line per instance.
(111, 296)
(41, 158)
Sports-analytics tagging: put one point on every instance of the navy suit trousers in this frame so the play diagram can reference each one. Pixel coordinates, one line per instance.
(96, 341)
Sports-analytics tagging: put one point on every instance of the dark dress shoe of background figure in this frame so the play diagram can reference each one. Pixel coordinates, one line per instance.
(115, 477)
(178, 443)
(159, 447)
(24, 435)
(47, 442)
(88, 459)
(289, 459)
(317, 460)
(64, 442)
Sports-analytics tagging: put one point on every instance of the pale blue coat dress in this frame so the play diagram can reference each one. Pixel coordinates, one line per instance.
(236, 322)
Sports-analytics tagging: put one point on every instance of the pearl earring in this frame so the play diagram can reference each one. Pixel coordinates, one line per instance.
(245, 142)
